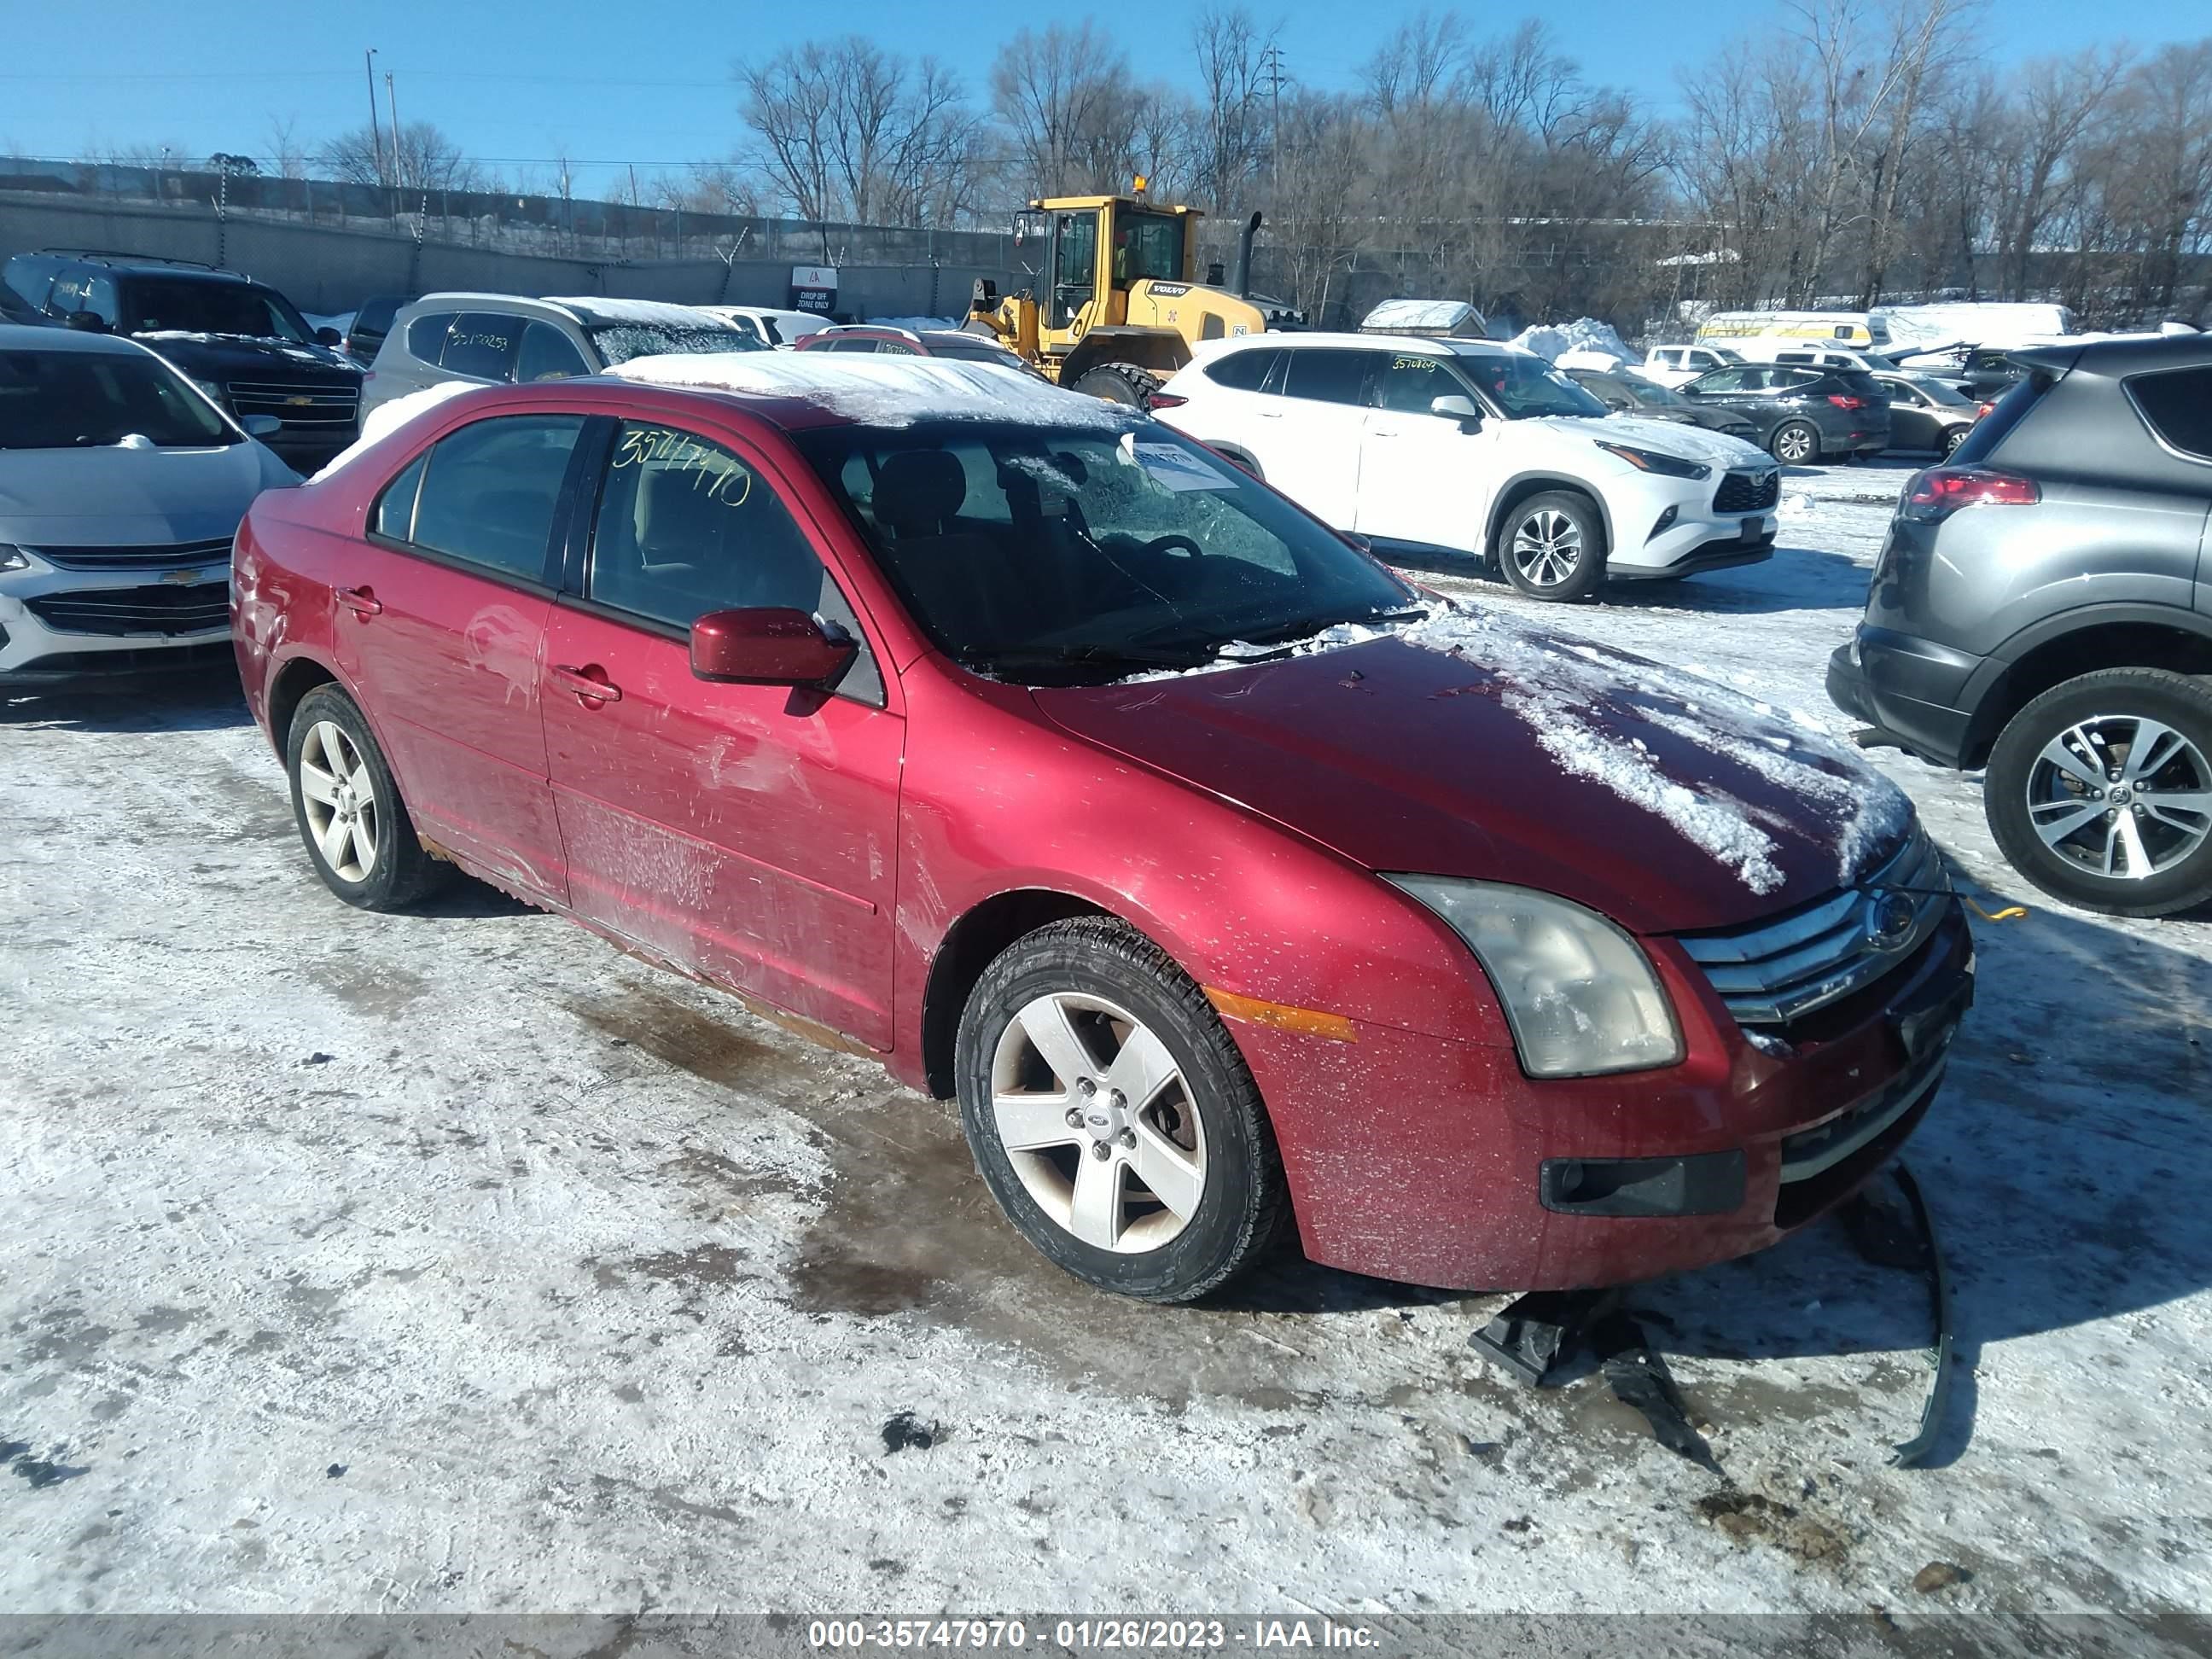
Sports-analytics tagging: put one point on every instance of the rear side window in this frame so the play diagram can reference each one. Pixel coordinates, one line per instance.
(2178, 404)
(845, 343)
(1241, 371)
(482, 345)
(1328, 377)
(426, 336)
(488, 493)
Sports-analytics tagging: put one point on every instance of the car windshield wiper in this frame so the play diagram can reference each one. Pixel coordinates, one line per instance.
(1304, 626)
(1084, 654)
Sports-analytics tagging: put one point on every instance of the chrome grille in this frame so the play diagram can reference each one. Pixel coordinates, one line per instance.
(120, 611)
(306, 404)
(164, 557)
(1748, 492)
(1777, 970)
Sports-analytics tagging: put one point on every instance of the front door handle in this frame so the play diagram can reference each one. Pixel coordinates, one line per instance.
(361, 601)
(589, 682)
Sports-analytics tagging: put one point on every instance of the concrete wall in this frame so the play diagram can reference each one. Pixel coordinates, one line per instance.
(326, 269)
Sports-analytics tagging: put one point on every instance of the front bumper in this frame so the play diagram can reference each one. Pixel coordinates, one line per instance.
(1661, 534)
(1468, 1193)
(67, 629)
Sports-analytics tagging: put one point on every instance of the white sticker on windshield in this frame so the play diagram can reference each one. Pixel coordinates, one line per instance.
(1178, 469)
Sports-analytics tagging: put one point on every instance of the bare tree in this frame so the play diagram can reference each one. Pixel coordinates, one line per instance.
(1070, 107)
(1234, 107)
(428, 160)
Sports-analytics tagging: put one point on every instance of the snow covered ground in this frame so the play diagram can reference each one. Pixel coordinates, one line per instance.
(456, 1262)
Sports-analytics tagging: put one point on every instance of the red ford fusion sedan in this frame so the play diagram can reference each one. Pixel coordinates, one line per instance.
(1228, 882)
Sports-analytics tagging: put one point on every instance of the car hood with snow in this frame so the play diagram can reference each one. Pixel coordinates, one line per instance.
(132, 493)
(1469, 745)
(1692, 443)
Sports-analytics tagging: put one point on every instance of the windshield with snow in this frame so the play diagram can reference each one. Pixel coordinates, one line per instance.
(618, 342)
(88, 400)
(1064, 555)
(1523, 386)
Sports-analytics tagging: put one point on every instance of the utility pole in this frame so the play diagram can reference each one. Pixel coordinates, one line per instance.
(375, 134)
(398, 182)
(1271, 65)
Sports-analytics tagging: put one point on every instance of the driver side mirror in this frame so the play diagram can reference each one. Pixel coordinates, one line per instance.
(87, 322)
(329, 337)
(1458, 406)
(262, 426)
(767, 644)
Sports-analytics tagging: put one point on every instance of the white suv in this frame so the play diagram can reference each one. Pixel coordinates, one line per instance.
(1475, 447)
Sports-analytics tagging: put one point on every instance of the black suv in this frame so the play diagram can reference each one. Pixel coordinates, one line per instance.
(2043, 608)
(245, 345)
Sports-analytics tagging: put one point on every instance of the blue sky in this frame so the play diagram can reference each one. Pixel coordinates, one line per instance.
(651, 84)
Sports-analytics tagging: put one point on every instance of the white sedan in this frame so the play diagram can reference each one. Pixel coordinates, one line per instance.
(777, 329)
(1472, 447)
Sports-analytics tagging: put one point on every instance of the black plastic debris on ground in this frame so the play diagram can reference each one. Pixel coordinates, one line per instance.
(1639, 1379)
(40, 1471)
(1536, 1334)
(906, 1429)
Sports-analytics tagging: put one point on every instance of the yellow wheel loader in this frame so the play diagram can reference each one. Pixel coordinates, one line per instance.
(1115, 310)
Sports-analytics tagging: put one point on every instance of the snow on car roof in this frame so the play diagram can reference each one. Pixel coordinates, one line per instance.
(595, 308)
(1419, 313)
(881, 391)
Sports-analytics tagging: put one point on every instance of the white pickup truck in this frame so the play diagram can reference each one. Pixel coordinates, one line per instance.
(1677, 365)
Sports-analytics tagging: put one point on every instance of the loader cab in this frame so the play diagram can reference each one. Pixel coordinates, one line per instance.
(1095, 247)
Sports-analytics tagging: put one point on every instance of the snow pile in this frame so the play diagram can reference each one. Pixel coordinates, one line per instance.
(385, 419)
(876, 390)
(1989, 323)
(1424, 317)
(1549, 340)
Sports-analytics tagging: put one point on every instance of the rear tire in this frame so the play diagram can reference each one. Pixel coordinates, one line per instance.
(1189, 1191)
(1794, 443)
(356, 827)
(2047, 804)
(1118, 383)
(1551, 546)
(1953, 439)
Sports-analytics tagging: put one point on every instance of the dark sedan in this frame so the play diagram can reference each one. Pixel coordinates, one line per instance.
(1802, 416)
(1632, 394)
(1927, 413)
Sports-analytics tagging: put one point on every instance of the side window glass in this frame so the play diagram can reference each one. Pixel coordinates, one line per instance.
(547, 354)
(395, 508)
(490, 491)
(851, 345)
(482, 345)
(99, 300)
(896, 348)
(2178, 404)
(685, 527)
(1413, 382)
(1329, 377)
(426, 337)
(1722, 379)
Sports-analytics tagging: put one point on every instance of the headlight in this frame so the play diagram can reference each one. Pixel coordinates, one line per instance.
(1648, 460)
(1580, 995)
(13, 558)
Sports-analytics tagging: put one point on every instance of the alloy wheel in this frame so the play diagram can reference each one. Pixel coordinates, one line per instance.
(339, 798)
(1097, 1122)
(2121, 796)
(1794, 444)
(1547, 546)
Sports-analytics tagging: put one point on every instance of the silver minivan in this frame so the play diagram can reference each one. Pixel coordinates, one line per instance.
(500, 339)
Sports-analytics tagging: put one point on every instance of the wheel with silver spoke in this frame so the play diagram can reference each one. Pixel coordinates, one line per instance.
(1112, 1116)
(2100, 792)
(1797, 444)
(1551, 546)
(356, 830)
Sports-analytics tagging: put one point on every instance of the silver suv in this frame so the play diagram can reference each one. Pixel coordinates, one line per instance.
(495, 339)
(2043, 608)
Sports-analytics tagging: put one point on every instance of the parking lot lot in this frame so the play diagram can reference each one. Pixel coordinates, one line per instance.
(456, 1261)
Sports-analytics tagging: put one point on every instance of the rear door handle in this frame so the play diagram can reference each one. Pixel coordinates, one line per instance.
(589, 682)
(361, 601)
(1269, 414)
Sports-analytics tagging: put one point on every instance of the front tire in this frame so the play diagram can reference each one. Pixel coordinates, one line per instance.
(356, 827)
(1551, 546)
(1112, 1116)
(1119, 383)
(1795, 444)
(2100, 791)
